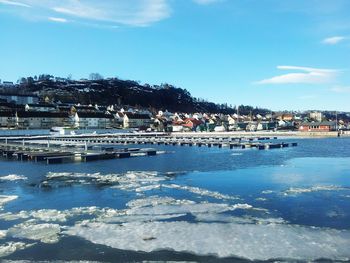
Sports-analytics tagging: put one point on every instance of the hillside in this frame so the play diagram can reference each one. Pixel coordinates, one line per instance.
(114, 91)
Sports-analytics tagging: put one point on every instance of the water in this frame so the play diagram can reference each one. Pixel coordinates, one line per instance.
(191, 204)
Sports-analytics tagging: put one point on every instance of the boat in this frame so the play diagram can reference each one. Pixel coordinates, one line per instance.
(59, 131)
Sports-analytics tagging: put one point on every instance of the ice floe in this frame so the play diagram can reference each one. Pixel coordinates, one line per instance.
(138, 182)
(6, 198)
(148, 188)
(11, 247)
(46, 233)
(212, 217)
(267, 192)
(53, 215)
(129, 181)
(154, 223)
(12, 177)
(251, 241)
(47, 215)
(155, 205)
(262, 199)
(201, 191)
(3, 233)
(317, 188)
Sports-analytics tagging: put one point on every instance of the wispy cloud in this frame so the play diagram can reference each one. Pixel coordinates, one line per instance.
(307, 76)
(117, 12)
(333, 40)
(58, 19)
(206, 2)
(13, 3)
(341, 89)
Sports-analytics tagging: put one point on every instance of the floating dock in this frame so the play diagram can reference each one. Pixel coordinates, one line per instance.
(219, 141)
(87, 148)
(53, 155)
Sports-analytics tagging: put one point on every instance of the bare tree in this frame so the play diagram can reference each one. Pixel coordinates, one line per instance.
(95, 76)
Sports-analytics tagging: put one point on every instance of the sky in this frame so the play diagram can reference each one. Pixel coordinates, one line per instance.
(280, 55)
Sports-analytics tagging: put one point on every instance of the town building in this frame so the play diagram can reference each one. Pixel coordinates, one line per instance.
(136, 120)
(19, 98)
(192, 124)
(40, 120)
(324, 126)
(94, 120)
(316, 116)
(40, 107)
(7, 119)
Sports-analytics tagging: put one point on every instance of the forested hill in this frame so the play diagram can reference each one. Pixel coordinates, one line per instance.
(114, 91)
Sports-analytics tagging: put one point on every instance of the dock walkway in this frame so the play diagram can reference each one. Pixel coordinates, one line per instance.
(93, 147)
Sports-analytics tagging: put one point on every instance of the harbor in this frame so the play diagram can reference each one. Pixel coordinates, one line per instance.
(85, 148)
(52, 153)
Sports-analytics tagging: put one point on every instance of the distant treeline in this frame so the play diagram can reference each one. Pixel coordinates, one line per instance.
(114, 91)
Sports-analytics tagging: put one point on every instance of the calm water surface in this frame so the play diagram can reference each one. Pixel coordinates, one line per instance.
(190, 204)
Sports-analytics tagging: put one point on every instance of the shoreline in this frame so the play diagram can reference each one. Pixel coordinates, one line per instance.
(291, 134)
(102, 132)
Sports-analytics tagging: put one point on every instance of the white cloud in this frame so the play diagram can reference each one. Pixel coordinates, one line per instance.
(333, 40)
(341, 89)
(206, 2)
(120, 12)
(307, 76)
(58, 19)
(14, 3)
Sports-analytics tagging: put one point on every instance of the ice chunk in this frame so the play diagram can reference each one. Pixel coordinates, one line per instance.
(202, 192)
(12, 177)
(3, 233)
(317, 188)
(157, 200)
(11, 247)
(50, 215)
(14, 216)
(46, 233)
(148, 188)
(7, 198)
(251, 241)
(267, 192)
(129, 181)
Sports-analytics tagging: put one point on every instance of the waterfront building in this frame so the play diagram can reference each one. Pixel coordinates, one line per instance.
(94, 120)
(40, 120)
(324, 126)
(135, 120)
(192, 124)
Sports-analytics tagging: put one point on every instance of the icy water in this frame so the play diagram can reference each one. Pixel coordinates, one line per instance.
(191, 204)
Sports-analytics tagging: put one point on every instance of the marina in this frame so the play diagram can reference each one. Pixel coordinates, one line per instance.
(52, 153)
(85, 148)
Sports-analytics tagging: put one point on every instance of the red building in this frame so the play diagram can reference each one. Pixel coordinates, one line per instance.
(324, 126)
(192, 123)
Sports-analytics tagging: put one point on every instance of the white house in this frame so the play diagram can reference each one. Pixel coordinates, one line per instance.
(94, 120)
(136, 120)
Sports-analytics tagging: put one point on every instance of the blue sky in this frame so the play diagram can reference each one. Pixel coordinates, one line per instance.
(290, 54)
